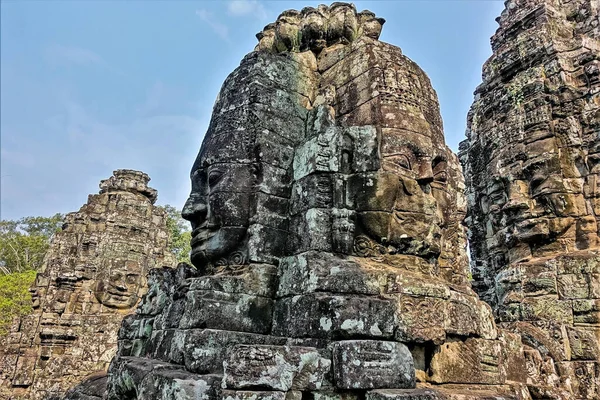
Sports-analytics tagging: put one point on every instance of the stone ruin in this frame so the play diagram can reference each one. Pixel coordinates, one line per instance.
(93, 275)
(532, 162)
(328, 239)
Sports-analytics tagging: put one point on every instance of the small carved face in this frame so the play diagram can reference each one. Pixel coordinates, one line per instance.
(313, 28)
(119, 287)
(219, 210)
(287, 31)
(343, 23)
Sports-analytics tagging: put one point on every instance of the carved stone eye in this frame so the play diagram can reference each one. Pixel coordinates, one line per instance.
(214, 177)
(535, 184)
(404, 162)
(441, 176)
(440, 173)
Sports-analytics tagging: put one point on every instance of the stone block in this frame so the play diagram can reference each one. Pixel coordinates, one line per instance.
(372, 364)
(159, 345)
(321, 272)
(312, 191)
(406, 394)
(332, 395)
(310, 231)
(227, 311)
(128, 374)
(270, 211)
(476, 361)
(322, 315)
(586, 311)
(319, 154)
(204, 350)
(421, 319)
(586, 373)
(253, 395)
(279, 368)
(179, 385)
(573, 286)
(265, 244)
(584, 342)
(547, 308)
(254, 279)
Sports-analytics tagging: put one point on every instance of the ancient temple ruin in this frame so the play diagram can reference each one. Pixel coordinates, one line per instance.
(532, 167)
(93, 275)
(327, 237)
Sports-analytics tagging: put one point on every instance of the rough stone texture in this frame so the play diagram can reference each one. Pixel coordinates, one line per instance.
(531, 161)
(93, 275)
(372, 364)
(327, 216)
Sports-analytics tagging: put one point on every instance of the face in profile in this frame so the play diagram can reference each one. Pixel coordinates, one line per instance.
(119, 286)
(219, 211)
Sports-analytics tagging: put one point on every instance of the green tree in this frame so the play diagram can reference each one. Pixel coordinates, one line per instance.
(23, 243)
(180, 232)
(15, 298)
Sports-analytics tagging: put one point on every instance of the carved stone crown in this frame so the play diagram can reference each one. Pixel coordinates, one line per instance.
(316, 28)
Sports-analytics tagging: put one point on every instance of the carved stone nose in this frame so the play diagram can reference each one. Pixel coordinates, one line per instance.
(194, 210)
(516, 204)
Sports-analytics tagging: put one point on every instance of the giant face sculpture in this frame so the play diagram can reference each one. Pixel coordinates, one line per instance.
(404, 197)
(219, 209)
(535, 202)
(241, 179)
(397, 205)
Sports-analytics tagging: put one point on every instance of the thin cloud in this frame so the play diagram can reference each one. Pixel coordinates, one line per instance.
(68, 55)
(243, 8)
(220, 29)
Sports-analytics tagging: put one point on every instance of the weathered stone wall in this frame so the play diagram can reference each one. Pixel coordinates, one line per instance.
(531, 162)
(327, 234)
(93, 275)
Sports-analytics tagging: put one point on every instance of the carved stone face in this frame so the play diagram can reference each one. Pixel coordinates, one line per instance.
(402, 209)
(287, 31)
(343, 23)
(219, 210)
(313, 28)
(118, 287)
(538, 197)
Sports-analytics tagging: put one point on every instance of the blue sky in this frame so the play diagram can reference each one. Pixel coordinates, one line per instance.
(91, 86)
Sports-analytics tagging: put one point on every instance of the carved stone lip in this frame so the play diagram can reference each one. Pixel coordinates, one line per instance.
(201, 235)
(118, 293)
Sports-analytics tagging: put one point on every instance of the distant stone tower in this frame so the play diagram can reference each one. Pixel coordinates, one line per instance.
(532, 163)
(93, 275)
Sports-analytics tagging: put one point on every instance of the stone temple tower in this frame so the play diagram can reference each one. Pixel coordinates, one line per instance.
(532, 166)
(93, 275)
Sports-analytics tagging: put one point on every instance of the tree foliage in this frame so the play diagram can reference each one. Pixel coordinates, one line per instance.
(23, 243)
(15, 298)
(180, 232)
